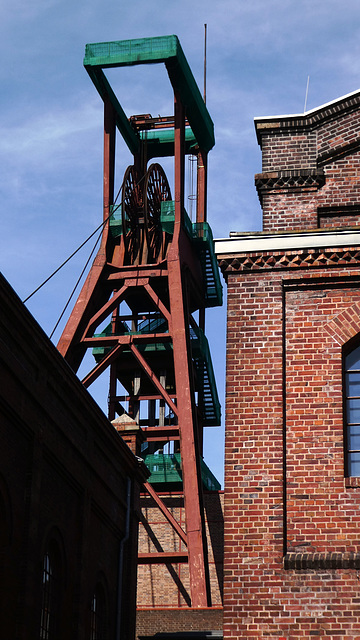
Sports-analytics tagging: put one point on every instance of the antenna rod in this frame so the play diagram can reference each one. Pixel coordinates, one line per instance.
(205, 28)
(306, 93)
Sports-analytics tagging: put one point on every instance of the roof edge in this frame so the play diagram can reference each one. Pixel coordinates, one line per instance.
(285, 241)
(308, 118)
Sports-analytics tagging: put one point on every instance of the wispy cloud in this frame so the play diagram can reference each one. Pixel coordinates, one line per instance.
(38, 136)
(259, 56)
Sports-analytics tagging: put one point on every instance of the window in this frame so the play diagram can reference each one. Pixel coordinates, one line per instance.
(352, 413)
(98, 615)
(5, 517)
(50, 595)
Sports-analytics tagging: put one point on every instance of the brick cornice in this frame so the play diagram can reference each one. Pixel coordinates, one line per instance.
(302, 259)
(309, 119)
(289, 180)
(321, 561)
(338, 152)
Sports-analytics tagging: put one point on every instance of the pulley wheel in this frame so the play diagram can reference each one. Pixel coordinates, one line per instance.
(156, 191)
(132, 212)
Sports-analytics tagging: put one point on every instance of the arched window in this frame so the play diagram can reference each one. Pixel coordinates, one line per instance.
(98, 629)
(51, 591)
(352, 413)
(5, 517)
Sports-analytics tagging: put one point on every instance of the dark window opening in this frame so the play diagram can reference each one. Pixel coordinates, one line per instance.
(50, 596)
(352, 413)
(98, 615)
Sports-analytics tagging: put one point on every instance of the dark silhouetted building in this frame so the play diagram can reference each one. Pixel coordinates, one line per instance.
(69, 496)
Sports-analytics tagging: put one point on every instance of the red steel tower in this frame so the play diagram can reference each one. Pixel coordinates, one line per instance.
(142, 307)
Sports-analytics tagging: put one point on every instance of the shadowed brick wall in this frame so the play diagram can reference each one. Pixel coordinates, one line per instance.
(163, 596)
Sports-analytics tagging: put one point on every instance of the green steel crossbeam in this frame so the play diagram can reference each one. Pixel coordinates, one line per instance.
(160, 142)
(163, 49)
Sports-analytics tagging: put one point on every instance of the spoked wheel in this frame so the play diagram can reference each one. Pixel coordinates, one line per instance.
(132, 214)
(156, 191)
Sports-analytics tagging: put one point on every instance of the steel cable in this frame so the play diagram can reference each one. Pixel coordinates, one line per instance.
(75, 287)
(101, 226)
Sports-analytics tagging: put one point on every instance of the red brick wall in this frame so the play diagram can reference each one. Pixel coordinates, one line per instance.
(291, 518)
(286, 210)
(286, 150)
(333, 134)
(283, 336)
(309, 163)
(167, 620)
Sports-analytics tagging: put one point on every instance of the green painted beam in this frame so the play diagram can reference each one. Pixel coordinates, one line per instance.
(163, 49)
(124, 53)
(160, 142)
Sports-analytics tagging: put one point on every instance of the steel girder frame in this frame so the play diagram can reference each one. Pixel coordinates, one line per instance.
(94, 302)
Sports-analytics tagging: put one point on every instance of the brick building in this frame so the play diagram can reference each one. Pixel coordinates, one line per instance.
(163, 594)
(69, 495)
(292, 472)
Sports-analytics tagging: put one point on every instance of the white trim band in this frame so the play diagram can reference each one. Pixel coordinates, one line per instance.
(260, 242)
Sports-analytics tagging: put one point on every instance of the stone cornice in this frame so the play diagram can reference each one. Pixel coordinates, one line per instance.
(261, 241)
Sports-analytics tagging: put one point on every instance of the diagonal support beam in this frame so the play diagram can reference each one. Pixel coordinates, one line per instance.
(156, 300)
(165, 511)
(105, 310)
(151, 375)
(105, 362)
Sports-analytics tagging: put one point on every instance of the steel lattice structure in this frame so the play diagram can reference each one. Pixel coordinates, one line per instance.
(158, 266)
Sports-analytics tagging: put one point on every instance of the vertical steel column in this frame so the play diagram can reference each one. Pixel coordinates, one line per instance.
(201, 200)
(113, 379)
(179, 159)
(108, 200)
(201, 213)
(109, 156)
(186, 413)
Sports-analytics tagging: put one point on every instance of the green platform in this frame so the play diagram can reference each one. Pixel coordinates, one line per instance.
(165, 469)
(200, 234)
(200, 351)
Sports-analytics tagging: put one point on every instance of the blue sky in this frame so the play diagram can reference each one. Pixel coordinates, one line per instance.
(260, 55)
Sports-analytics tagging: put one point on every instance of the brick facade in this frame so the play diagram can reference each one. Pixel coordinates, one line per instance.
(163, 597)
(310, 167)
(291, 567)
(193, 623)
